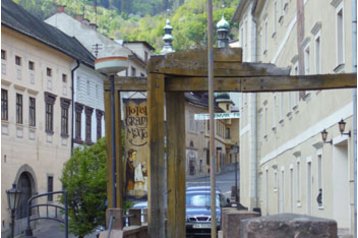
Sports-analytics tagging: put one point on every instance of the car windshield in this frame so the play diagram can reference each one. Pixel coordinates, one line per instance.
(199, 200)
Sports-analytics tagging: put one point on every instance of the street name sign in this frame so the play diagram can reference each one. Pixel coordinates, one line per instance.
(206, 116)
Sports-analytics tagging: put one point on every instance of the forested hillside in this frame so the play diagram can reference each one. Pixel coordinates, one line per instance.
(143, 19)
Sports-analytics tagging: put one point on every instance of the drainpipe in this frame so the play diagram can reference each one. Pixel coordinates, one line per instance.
(254, 120)
(73, 102)
(354, 98)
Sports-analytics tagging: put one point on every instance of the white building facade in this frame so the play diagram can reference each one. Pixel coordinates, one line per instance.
(88, 93)
(284, 162)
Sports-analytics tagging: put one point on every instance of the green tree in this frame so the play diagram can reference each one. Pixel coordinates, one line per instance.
(84, 178)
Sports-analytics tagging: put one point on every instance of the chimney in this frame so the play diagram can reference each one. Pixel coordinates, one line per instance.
(79, 18)
(61, 8)
(93, 26)
(85, 21)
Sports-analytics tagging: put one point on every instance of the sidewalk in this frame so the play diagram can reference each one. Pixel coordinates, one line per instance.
(52, 229)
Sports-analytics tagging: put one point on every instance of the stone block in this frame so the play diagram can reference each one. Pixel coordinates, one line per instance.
(117, 218)
(288, 225)
(231, 218)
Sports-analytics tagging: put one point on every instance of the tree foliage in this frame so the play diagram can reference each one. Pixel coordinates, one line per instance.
(144, 19)
(84, 178)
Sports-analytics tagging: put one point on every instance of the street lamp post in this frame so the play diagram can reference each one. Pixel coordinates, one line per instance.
(13, 196)
(235, 150)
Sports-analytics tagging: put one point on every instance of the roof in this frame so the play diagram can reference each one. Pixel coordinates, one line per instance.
(149, 46)
(18, 19)
(199, 99)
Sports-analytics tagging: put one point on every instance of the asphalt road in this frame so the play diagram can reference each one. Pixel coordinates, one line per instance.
(224, 182)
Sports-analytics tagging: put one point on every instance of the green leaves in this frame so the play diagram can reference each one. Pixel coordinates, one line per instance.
(84, 178)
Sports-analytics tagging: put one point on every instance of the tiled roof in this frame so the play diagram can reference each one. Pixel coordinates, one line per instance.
(17, 18)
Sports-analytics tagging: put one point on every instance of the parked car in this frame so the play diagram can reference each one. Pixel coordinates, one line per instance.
(198, 211)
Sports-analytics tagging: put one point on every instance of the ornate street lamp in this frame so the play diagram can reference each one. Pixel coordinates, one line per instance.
(324, 135)
(13, 196)
(111, 63)
(235, 149)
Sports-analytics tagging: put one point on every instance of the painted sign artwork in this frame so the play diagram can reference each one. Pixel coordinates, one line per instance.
(136, 148)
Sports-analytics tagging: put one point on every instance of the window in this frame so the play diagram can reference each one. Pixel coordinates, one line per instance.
(49, 112)
(78, 122)
(319, 178)
(227, 136)
(145, 56)
(307, 60)
(31, 65)
(49, 72)
(298, 183)
(134, 71)
(32, 111)
(88, 88)
(65, 105)
(18, 60)
(50, 188)
(64, 78)
(275, 19)
(88, 112)
(265, 35)
(4, 105)
(318, 54)
(340, 37)
(19, 109)
(99, 115)
(3, 54)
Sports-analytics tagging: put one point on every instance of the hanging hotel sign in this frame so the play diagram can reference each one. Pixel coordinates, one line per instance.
(217, 116)
(136, 148)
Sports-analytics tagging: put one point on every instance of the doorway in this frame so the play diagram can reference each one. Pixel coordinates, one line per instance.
(340, 181)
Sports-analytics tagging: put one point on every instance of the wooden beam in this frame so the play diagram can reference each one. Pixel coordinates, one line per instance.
(156, 190)
(175, 108)
(221, 69)
(300, 82)
(245, 84)
(263, 83)
(124, 83)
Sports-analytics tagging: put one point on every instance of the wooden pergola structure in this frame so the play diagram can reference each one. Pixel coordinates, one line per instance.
(168, 78)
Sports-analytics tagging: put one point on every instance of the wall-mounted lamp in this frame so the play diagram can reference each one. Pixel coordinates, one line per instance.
(324, 135)
(342, 127)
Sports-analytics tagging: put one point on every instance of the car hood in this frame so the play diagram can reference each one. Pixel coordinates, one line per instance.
(190, 211)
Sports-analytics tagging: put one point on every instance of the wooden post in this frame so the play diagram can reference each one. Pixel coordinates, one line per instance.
(156, 202)
(107, 117)
(119, 159)
(175, 109)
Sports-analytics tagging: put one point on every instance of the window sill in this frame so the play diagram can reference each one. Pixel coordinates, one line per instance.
(65, 136)
(320, 207)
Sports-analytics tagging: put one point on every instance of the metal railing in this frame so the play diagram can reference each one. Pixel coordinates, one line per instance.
(59, 210)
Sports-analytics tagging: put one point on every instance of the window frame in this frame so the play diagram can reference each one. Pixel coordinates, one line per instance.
(99, 115)
(78, 123)
(18, 60)
(32, 111)
(88, 113)
(4, 105)
(19, 109)
(49, 112)
(3, 54)
(65, 105)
